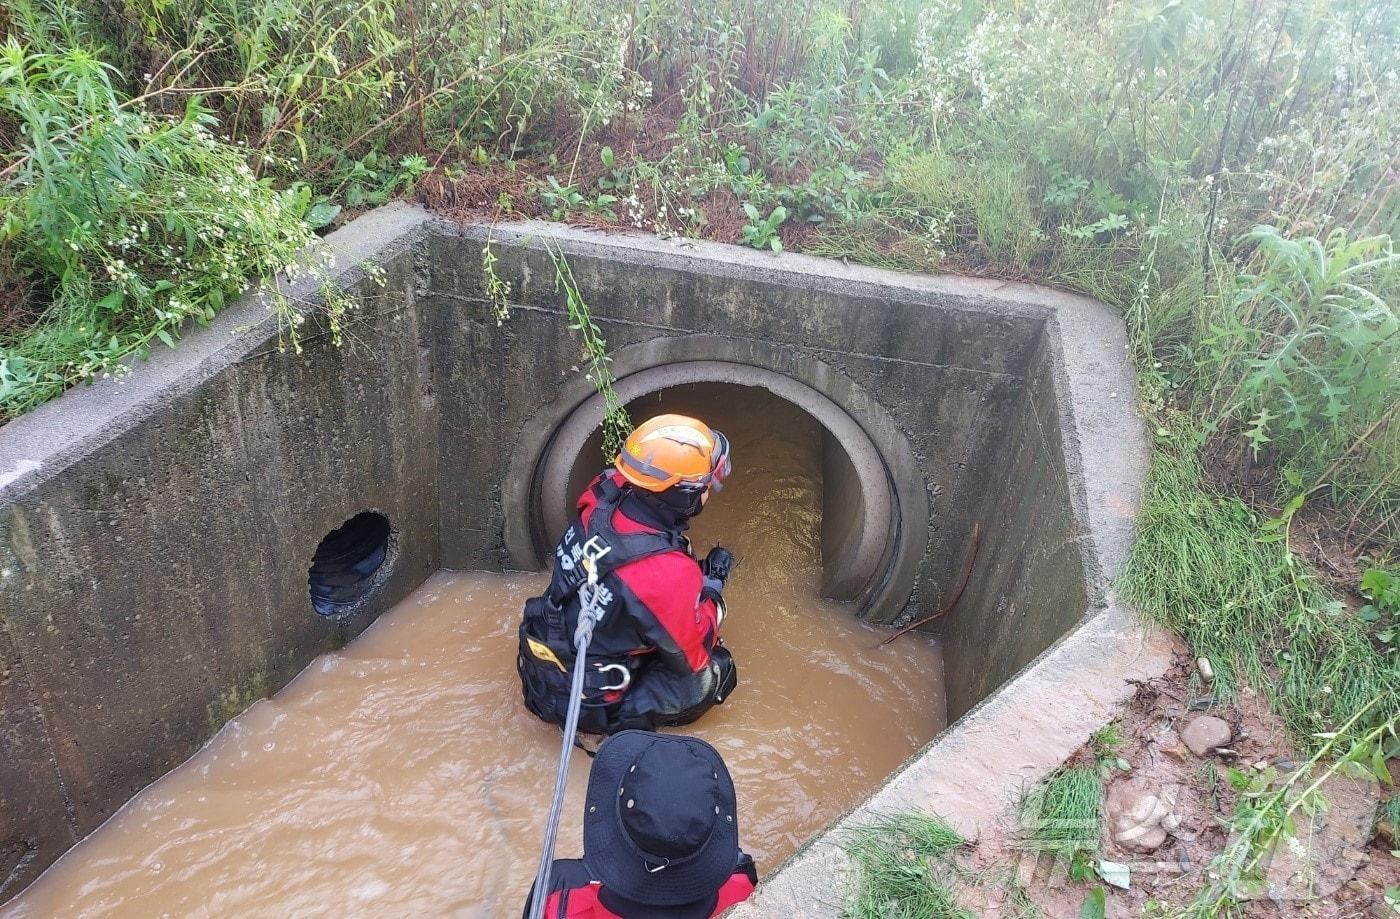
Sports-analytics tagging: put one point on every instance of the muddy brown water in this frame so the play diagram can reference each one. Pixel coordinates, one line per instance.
(401, 775)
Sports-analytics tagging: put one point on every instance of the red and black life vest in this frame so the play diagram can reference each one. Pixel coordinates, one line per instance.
(583, 902)
(546, 653)
(622, 548)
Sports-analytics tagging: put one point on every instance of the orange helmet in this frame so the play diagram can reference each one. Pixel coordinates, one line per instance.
(674, 451)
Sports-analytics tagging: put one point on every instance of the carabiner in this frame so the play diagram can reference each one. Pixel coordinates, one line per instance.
(593, 550)
(626, 678)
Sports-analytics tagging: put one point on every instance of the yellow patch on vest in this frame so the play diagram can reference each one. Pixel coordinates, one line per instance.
(541, 652)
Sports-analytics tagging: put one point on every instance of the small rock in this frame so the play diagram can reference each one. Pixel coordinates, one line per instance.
(1141, 839)
(1135, 816)
(1359, 887)
(1203, 665)
(1171, 823)
(1204, 733)
(1176, 751)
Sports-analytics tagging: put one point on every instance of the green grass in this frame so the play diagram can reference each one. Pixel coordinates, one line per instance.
(1106, 741)
(902, 870)
(1390, 813)
(134, 222)
(1127, 150)
(1207, 567)
(1062, 814)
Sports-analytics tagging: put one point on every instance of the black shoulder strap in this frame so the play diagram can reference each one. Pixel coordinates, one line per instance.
(624, 547)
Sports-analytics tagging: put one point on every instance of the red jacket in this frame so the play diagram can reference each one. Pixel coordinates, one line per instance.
(654, 658)
(575, 896)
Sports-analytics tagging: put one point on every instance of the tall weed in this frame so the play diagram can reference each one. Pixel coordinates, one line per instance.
(136, 222)
(1205, 566)
(1308, 345)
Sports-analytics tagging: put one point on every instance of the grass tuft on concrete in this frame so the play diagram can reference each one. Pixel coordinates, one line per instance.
(1061, 814)
(902, 870)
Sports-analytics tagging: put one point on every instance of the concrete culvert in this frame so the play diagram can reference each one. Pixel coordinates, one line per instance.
(861, 535)
(930, 407)
(349, 564)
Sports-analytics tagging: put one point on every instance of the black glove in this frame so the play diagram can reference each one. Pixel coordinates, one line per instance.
(717, 565)
(728, 672)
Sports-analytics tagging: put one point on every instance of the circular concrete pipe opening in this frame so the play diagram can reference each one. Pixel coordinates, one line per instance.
(866, 556)
(350, 562)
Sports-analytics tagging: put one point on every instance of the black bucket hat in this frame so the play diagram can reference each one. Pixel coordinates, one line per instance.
(660, 825)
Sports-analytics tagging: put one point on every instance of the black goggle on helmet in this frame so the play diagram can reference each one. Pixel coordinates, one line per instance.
(720, 468)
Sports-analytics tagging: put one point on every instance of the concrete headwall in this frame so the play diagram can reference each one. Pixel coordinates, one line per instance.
(156, 530)
(935, 366)
(1027, 583)
(155, 534)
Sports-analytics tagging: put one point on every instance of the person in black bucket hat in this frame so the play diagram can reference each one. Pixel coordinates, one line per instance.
(660, 835)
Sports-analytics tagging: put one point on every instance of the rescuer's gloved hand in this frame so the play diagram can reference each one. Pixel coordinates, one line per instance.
(718, 564)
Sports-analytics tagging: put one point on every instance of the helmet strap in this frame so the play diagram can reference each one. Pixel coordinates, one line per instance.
(671, 508)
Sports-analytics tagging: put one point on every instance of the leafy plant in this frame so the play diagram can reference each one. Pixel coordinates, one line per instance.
(497, 288)
(1095, 905)
(138, 222)
(762, 232)
(1314, 343)
(1105, 743)
(561, 199)
(374, 179)
(1383, 589)
(1107, 224)
(617, 424)
(615, 179)
(1273, 808)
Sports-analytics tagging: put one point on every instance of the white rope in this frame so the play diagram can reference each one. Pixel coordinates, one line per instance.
(588, 616)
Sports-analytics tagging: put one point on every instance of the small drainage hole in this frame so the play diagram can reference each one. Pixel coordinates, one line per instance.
(344, 566)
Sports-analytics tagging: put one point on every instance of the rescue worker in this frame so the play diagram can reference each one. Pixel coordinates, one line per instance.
(655, 658)
(660, 835)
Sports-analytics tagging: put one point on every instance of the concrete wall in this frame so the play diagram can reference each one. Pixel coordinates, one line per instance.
(155, 534)
(941, 367)
(974, 771)
(1027, 584)
(155, 531)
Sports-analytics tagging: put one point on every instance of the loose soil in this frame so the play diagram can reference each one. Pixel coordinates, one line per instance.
(1173, 874)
